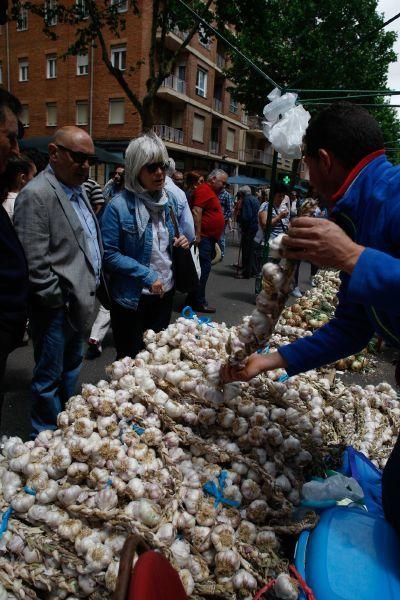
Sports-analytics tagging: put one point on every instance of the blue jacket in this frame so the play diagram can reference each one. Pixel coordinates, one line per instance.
(127, 256)
(249, 214)
(369, 298)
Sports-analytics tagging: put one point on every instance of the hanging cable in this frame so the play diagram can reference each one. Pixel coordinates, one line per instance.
(228, 43)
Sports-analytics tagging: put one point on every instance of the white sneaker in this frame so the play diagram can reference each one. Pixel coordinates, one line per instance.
(296, 293)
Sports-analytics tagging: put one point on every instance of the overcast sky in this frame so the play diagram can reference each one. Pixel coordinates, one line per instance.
(390, 8)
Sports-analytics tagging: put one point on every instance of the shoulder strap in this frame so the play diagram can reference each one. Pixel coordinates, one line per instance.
(174, 221)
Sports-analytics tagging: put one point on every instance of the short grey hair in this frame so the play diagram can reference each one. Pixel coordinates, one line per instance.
(171, 167)
(215, 173)
(143, 150)
(245, 189)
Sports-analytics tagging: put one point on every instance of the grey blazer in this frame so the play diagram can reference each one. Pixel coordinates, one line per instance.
(60, 269)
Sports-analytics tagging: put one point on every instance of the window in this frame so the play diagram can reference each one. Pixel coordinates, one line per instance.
(233, 107)
(121, 4)
(51, 67)
(82, 9)
(230, 139)
(22, 19)
(118, 57)
(198, 128)
(23, 69)
(24, 118)
(201, 83)
(116, 112)
(51, 14)
(82, 113)
(51, 114)
(82, 64)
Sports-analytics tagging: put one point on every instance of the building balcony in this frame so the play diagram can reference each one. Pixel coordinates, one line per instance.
(254, 122)
(173, 83)
(174, 38)
(217, 105)
(214, 147)
(173, 90)
(180, 34)
(253, 155)
(169, 134)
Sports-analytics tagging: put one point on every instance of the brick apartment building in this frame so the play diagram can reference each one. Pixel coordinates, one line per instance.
(201, 124)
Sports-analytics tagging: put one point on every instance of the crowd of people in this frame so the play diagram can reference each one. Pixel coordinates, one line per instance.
(70, 247)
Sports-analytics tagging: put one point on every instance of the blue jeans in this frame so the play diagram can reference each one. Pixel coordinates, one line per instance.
(221, 244)
(58, 352)
(206, 254)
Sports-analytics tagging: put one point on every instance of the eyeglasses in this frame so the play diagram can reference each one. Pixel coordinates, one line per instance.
(79, 157)
(152, 167)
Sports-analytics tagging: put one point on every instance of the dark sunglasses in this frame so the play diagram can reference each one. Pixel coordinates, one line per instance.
(79, 157)
(152, 167)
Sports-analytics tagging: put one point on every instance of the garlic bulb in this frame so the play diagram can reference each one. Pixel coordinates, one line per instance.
(22, 502)
(180, 551)
(223, 537)
(285, 587)
(227, 562)
(244, 581)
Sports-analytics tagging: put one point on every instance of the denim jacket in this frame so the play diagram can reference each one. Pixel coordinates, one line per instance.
(126, 256)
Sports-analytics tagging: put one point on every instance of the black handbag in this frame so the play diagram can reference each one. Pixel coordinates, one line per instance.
(185, 273)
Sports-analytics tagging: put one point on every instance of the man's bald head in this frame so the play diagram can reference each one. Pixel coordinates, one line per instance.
(73, 137)
(70, 152)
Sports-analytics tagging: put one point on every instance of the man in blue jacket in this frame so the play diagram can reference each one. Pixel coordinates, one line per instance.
(344, 151)
(248, 221)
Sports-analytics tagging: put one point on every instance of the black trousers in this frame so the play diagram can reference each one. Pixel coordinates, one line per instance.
(248, 253)
(129, 325)
(391, 487)
(10, 337)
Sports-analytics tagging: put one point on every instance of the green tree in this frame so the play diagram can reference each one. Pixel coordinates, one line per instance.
(309, 44)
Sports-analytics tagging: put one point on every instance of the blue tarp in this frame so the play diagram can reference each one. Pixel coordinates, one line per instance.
(245, 180)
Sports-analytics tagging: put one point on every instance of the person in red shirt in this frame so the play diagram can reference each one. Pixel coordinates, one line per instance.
(209, 225)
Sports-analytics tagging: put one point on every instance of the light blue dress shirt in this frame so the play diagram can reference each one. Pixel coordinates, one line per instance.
(75, 195)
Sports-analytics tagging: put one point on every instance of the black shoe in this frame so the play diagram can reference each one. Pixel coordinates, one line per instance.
(204, 309)
(94, 350)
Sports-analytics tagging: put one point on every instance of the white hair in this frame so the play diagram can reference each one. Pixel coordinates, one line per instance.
(245, 189)
(215, 173)
(171, 167)
(143, 150)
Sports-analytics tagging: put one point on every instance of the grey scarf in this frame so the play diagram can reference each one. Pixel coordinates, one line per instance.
(147, 206)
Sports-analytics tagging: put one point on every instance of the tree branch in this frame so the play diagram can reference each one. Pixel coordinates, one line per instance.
(116, 73)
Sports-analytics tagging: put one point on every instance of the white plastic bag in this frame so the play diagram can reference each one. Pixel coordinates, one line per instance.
(196, 259)
(336, 487)
(286, 135)
(279, 106)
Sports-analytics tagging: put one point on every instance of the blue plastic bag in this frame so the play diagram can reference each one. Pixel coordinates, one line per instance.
(357, 465)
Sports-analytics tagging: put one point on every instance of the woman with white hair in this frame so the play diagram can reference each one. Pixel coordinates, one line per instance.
(138, 235)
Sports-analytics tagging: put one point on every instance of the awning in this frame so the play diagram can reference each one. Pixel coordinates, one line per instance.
(300, 188)
(245, 180)
(41, 143)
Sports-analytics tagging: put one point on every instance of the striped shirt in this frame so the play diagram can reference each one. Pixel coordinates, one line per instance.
(277, 229)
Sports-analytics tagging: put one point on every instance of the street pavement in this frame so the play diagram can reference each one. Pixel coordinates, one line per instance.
(233, 298)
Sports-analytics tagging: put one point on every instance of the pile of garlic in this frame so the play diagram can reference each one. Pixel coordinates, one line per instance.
(132, 454)
(312, 311)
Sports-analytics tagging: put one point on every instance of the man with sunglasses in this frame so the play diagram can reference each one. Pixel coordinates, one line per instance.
(61, 238)
(13, 267)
